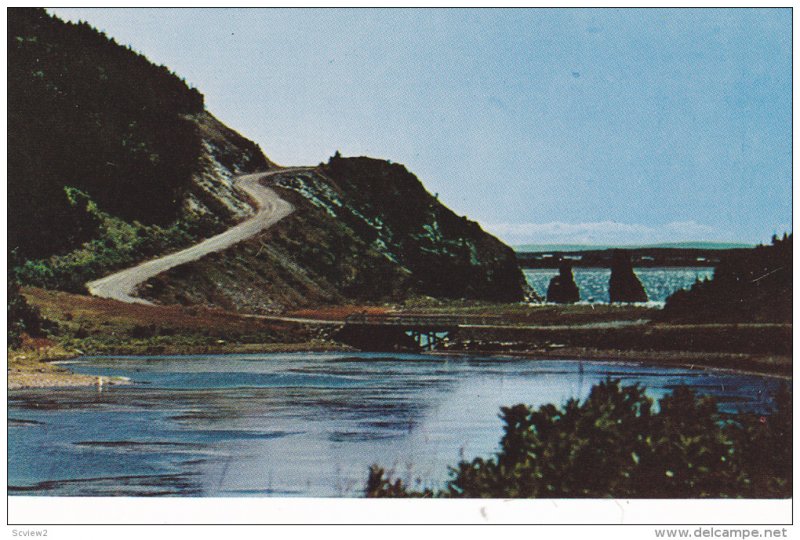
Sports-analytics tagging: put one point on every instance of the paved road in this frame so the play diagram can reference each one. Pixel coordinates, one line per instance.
(270, 209)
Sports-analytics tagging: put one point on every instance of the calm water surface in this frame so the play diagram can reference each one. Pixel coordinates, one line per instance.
(305, 424)
(593, 282)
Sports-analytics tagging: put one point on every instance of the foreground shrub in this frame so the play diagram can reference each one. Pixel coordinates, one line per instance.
(615, 445)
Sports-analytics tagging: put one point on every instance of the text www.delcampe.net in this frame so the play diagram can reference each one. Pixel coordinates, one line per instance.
(715, 532)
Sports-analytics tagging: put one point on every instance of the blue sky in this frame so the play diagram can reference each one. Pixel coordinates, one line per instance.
(547, 126)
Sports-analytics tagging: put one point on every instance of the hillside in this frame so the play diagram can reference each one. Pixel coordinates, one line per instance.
(113, 161)
(752, 285)
(363, 230)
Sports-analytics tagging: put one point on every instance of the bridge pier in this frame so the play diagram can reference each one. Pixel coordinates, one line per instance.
(432, 338)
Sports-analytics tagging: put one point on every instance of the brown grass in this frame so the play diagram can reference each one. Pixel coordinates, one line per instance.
(93, 315)
(338, 313)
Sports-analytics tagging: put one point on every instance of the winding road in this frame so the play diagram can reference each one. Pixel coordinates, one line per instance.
(270, 209)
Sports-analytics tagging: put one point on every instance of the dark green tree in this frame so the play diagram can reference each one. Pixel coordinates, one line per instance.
(753, 286)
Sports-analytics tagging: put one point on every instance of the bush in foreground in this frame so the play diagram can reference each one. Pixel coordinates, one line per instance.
(615, 445)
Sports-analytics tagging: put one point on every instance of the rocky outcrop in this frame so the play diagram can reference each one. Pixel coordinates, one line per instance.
(448, 256)
(363, 230)
(624, 286)
(562, 289)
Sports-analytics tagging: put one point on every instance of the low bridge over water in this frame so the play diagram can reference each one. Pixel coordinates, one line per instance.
(393, 331)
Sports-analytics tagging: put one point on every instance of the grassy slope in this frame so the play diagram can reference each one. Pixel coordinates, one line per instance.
(99, 326)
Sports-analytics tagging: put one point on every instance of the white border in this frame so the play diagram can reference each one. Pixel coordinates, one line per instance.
(129, 510)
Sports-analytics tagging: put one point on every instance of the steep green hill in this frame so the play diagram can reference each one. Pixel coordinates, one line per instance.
(111, 159)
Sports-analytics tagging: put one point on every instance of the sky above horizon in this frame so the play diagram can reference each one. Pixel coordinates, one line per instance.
(580, 126)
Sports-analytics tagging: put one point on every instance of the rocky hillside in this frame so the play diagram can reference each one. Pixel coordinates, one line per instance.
(113, 160)
(364, 230)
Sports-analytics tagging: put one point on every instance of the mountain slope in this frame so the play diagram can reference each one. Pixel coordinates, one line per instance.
(111, 159)
(114, 161)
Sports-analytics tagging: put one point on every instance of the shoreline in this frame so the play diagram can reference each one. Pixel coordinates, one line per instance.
(47, 373)
(28, 371)
(685, 359)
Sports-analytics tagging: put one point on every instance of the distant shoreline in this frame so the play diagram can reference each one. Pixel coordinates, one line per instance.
(645, 257)
(544, 248)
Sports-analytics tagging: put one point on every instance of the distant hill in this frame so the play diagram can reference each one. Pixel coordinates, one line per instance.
(544, 248)
(694, 254)
(640, 257)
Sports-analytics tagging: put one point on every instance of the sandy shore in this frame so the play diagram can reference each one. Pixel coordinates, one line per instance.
(28, 370)
(46, 375)
(31, 370)
(35, 379)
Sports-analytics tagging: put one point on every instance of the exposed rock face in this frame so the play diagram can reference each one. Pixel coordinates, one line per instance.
(562, 289)
(363, 230)
(624, 286)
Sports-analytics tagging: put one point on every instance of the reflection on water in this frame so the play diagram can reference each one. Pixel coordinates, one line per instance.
(305, 424)
(592, 283)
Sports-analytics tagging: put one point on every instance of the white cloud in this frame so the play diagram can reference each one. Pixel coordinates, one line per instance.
(601, 232)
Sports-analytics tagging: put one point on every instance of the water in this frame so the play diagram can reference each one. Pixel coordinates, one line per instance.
(659, 283)
(305, 424)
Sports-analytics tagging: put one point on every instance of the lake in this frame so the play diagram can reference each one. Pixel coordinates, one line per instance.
(300, 424)
(593, 282)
